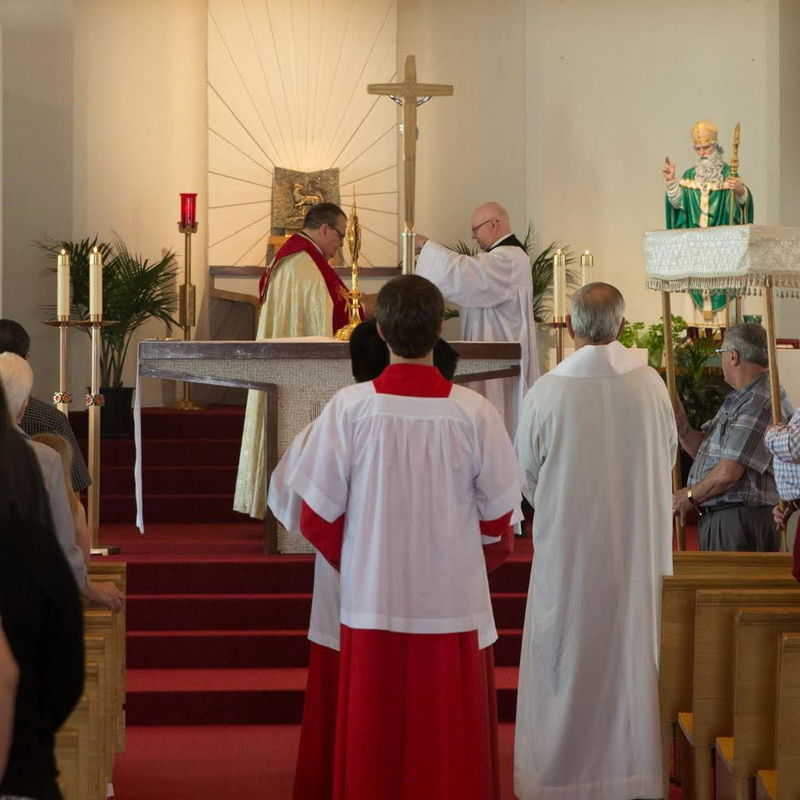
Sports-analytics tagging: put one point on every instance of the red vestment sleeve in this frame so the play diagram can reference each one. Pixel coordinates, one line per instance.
(496, 553)
(325, 536)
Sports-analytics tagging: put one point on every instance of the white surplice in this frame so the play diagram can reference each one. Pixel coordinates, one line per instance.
(286, 505)
(495, 292)
(596, 442)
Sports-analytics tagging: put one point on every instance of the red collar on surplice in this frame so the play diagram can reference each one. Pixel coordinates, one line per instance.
(412, 380)
(301, 244)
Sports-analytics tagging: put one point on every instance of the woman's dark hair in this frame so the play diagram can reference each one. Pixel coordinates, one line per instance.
(14, 338)
(369, 355)
(410, 310)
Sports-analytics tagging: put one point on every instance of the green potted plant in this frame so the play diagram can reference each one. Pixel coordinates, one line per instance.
(651, 338)
(134, 291)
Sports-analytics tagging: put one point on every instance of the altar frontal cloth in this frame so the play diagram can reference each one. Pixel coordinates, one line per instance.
(739, 258)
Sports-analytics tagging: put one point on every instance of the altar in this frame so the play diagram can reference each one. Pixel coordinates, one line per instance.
(298, 376)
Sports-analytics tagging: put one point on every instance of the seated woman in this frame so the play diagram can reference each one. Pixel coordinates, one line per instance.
(42, 619)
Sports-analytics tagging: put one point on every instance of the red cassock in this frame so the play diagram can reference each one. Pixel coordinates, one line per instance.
(400, 715)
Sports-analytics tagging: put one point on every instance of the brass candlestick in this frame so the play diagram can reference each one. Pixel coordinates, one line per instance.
(353, 239)
(559, 299)
(62, 396)
(187, 308)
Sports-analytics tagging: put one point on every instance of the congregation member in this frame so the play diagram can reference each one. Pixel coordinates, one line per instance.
(731, 484)
(41, 417)
(42, 622)
(495, 291)
(369, 356)
(9, 678)
(300, 295)
(596, 444)
(16, 377)
(783, 441)
(414, 614)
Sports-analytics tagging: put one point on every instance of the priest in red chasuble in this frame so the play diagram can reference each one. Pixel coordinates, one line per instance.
(405, 483)
(301, 295)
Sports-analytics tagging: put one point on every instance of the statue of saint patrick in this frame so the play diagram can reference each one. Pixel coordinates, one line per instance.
(707, 195)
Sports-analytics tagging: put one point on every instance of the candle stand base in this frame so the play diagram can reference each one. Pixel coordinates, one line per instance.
(110, 550)
(186, 405)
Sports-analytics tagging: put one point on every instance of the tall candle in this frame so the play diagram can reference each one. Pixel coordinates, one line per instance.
(95, 285)
(62, 291)
(587, 262)
(559, 264)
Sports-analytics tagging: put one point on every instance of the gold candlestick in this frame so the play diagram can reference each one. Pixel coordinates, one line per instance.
(187, 308)
(587, 262)
(353, 239)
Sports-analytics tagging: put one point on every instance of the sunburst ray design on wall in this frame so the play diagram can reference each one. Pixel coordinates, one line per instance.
(287, 94)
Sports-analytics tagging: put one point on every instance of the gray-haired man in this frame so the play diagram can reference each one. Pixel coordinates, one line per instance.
(731, 483)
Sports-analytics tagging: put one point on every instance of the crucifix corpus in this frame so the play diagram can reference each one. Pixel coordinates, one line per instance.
(409, 94)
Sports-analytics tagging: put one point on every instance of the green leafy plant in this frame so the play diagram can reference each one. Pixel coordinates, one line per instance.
(651, 337)
(700, 388)
(134, 291)
(541, 272)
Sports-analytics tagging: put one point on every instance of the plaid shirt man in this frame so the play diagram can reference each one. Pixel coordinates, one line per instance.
(737, 433)
(784, 443)
(43, 418)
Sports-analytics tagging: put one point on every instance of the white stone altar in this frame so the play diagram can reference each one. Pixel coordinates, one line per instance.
(299, 377)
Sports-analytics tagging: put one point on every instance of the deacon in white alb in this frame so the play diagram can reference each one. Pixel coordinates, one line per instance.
(596, 441)
(405, 483)
(495, 292)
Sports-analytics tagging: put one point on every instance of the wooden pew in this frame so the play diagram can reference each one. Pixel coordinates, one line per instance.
(68, 758)
(79, 723)
(783, 782)
(96, 656)
(100, 622)
(116, 572)
(676, 661)
(757, 672)
(714, 654)
(696, 562)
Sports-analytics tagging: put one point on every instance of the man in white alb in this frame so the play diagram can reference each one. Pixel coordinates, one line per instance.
(596, 442)
(495, 292)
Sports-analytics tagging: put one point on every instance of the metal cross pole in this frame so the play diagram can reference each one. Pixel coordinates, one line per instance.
(409, 94)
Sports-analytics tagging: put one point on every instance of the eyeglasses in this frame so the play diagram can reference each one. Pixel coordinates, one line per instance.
(341, 234)
(725, 350)
(479, 226)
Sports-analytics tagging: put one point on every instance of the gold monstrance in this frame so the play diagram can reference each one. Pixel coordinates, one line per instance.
(353, 239)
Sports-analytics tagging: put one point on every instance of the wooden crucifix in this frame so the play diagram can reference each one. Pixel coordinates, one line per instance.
(410, 94)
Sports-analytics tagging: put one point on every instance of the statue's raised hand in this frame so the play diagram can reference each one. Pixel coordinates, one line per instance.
(668, 170)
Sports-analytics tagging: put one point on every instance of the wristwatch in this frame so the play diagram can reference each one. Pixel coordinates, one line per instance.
(695, 504)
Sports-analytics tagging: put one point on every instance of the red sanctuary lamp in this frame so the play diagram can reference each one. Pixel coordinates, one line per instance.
(186, 292)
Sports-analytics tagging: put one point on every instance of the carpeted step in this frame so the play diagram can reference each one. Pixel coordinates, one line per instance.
(159, 612)
(225, 422)
(259, 575)
(267, 575)
(217, 649)
(158, 480)
(169, 452)
(242, 696)
(234, 649)
(120, 508)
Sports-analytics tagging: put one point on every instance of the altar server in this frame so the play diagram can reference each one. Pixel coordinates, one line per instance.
(401, 481)
(596, 442)
(495, 292)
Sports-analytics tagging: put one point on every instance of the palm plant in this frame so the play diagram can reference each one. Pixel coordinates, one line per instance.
(134, 290)
(541, 272)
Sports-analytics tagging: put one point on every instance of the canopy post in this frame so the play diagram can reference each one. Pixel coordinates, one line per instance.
(774, 378)
(672, 387)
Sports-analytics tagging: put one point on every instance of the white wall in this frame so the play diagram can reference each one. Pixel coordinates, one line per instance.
(471, 146)
(37, 61)
(140, 132)
(613, 88)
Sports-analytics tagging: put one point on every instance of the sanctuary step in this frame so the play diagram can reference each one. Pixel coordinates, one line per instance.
(189, 462)
(220, 640)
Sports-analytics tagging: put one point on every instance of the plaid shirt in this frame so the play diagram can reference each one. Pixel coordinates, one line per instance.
(737, 433)
(43, 418)
(784, 444)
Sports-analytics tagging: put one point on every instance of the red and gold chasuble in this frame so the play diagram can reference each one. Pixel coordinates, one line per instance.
(298, 243)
